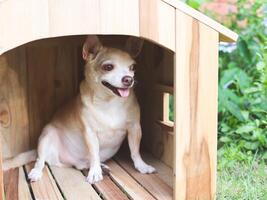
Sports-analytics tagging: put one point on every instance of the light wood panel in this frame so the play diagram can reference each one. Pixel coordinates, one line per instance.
(73, 184)
(196, 76)
(157, 22)
(13, 103)
(163, 171)
(108, 190)
(127, 183)
(11, 184)
(225, 34)
(44, 19)
(156, 186)
(23, 189)
(46, 187)
(22, 21)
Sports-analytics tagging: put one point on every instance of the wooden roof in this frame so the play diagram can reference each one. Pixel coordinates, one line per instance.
(226, 35)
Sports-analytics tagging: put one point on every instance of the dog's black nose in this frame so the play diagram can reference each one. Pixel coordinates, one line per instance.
(127, 81)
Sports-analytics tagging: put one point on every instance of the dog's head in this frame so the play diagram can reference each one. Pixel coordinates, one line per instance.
(110, 68)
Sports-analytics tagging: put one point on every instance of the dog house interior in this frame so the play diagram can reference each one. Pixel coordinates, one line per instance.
(41, 67)
(40, 76)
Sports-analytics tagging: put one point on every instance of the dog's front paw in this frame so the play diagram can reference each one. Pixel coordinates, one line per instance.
(35, 175)
(144, 168)
(94, 175)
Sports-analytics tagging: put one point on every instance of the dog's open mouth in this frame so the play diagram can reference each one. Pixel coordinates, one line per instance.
(121, 92)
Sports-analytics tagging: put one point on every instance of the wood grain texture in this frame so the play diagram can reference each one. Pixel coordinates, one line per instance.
(52, 81)
(66, 78)
(151, 182)
(73, 184)
(155, 76)
(41, 76)
(157, 22)
(13, 103)
(196, 76)
(44, 19)
(109, 190)
(164, 172)
(225, 34)
(11, 184)
(98, 17)
(23, 189)
(46, 187)
(127, 183)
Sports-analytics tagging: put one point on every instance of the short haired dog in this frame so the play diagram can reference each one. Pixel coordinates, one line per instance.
(91, 128)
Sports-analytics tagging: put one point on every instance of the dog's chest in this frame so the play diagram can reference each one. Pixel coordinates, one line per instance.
(107, 118)
(109, 123)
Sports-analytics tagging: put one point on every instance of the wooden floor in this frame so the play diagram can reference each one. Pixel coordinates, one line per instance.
(123, 182)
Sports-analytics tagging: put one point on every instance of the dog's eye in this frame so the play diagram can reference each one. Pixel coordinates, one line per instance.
(108, 67)
(132, 67)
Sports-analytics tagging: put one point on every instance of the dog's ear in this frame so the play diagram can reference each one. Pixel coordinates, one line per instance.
(134, 46)
(91, 46)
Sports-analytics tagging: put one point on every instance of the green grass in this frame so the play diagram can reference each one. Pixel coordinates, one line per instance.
(242, 181)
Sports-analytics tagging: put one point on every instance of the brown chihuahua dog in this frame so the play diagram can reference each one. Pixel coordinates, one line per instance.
(91, 128)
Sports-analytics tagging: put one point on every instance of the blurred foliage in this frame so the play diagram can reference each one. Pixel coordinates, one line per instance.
(242, 109)
(171, 108)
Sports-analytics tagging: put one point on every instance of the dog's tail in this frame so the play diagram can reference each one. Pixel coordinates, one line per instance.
(19, 160)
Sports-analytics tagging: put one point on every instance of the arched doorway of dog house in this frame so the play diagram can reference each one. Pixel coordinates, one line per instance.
(39, 77)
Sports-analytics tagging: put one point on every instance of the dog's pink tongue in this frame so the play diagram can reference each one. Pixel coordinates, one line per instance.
(124, 92)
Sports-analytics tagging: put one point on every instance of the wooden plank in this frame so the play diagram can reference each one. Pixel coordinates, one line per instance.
(73, 184)
(163, 171)
(43, 19)
(157, 22)
(196, 78)
(23, 188)
(46, 187)
(65, 74)
(66, 17)
(109, 190)
(167, 126)
(225, 34)
(13, 103)
(151, 182)
(29, 18)
(127, 183)
(11, 184)
(164, 88)
(41, 76)
(113, 20)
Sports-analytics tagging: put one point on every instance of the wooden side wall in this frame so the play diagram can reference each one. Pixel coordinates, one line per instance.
(35, 80)
(155, 67)
(196, 77)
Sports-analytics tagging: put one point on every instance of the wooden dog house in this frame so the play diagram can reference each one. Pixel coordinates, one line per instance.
(41, 66)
